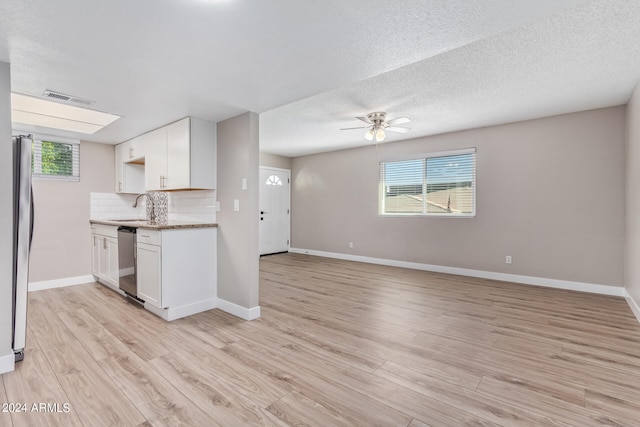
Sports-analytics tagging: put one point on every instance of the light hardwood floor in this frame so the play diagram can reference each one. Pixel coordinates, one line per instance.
(338, 343)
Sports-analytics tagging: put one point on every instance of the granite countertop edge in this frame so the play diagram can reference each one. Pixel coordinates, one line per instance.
(141, 224)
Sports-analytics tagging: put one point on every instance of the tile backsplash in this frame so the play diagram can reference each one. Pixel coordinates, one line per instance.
(184, 206)
(192, 206)
(115, 206)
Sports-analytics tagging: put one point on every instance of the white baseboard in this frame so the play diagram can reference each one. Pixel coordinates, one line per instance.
(60, 283)
(7, 363)
(525, 280)
(239, 311)
(188, 310)
(170, 314)
(633, 304)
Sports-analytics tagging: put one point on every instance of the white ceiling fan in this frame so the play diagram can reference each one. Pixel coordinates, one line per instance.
(378, 126)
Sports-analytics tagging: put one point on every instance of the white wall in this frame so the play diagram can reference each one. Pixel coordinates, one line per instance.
(632, 206)
(6, 220)
(550, 193)
(238, 255)
(61, 245)
(275, 161)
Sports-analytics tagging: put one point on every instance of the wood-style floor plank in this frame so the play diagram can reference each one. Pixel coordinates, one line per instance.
(159, 401)
(339, 343)
(5, 417)
(220, 400)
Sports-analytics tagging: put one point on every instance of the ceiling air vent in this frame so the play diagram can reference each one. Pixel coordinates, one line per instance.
(67, 99)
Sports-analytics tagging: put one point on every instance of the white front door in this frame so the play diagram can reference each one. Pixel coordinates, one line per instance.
(274, 210)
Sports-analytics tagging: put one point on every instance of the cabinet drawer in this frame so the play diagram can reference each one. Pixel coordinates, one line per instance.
(105, 230)
(151, 237)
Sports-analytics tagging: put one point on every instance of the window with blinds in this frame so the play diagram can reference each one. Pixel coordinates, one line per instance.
(55, 160)
(438, 184)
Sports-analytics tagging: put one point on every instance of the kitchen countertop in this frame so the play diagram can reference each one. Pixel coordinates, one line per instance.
(141, 223)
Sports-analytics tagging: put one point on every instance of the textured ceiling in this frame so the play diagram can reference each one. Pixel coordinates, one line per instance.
(309, 66)
(581, 59)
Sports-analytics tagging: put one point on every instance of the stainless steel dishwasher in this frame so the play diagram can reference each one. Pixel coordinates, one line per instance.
(127, 260)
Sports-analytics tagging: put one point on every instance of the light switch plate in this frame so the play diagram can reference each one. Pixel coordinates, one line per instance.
(236, 205)
(244, 183)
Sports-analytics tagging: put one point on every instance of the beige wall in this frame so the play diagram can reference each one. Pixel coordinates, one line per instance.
(632, 207)
(6, 213)
(61, 245)
(274, 161)
(550, 193)
(238, 256)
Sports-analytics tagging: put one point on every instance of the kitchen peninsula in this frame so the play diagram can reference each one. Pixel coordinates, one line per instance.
(172, 265)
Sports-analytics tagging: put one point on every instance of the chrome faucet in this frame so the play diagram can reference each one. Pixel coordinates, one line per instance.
(152, 211)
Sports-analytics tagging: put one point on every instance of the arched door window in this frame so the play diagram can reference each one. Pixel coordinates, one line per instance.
(274, 180)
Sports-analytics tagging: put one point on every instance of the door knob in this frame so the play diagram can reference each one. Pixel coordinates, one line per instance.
(262, 212)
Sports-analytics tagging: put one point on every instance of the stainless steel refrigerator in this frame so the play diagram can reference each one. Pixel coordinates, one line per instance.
(22, 235)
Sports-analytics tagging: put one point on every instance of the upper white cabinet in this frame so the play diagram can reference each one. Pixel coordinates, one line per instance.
(136, 149)
(130, 166)
(156, 160)
(181, 155)
(121, 149)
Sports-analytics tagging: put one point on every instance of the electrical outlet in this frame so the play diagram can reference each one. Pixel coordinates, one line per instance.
(508, 260)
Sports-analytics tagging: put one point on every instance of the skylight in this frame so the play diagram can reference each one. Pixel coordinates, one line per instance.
(32, 111)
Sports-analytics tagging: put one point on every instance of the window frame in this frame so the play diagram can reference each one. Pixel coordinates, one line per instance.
(424, 157)
(38, 139)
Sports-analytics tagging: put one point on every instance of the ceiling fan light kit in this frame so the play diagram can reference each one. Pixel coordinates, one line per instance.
(369, 135)
(378, 125)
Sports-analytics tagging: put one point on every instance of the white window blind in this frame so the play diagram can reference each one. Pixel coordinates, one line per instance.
(56, 160)
(438, 184)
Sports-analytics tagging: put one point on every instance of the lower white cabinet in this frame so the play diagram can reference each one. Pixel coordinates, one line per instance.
(177, 270)
(104, 255)
(150, 274)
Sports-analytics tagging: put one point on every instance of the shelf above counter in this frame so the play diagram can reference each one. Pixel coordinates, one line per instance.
(140, 223)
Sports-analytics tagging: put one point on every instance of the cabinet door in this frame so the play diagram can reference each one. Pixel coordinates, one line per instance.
(149, 274)
(95, 255)
(178, 155)
(156, 160)
(103, 263)
(121, 157)
(113, 275)
(136, 147)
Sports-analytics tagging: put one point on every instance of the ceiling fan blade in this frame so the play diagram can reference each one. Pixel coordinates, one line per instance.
(364, 119)
(359, 127)
(399, 121)
(397, 129)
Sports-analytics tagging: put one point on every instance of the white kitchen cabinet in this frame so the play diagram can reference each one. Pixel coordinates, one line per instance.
(156, 160)
(121, 150)
(149, 258)
(130, 167)
(179, 155)
(177, 270)
(136, 148)
(95, 255)
(105, 254)
(182, 155)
